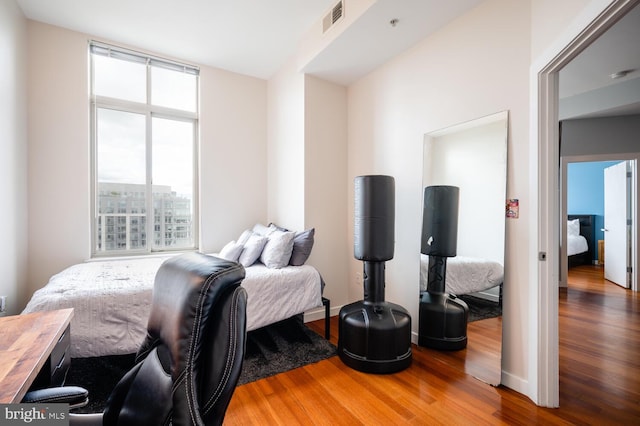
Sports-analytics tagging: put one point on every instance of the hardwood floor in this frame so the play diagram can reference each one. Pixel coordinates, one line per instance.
(599, 377)
(599, 349)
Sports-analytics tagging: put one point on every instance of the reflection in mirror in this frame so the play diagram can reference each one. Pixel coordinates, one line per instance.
(473, 157)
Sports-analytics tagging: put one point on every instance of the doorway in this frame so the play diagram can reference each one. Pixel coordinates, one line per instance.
(545, 240)
(632, 214)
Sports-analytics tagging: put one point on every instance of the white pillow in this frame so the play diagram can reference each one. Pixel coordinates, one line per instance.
(573, 227)
(277, 250)
(252, 250)
(242, 239)
(231, 251)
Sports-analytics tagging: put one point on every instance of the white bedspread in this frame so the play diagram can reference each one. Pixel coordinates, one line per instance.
(112, 300)
(576, 244)
(466, 275)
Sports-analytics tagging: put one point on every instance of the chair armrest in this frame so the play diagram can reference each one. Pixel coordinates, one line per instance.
(75, 396)
(94, 419)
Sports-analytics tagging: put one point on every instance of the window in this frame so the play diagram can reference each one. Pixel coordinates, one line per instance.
(144, 113)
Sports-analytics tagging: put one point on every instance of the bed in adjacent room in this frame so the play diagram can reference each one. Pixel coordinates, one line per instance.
(112, 298)
(580, 239)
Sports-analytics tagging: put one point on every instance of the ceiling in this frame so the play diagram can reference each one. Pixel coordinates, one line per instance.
(617, 50)
(588, 76)
(252, 37)
(385, 29)
(256, 37)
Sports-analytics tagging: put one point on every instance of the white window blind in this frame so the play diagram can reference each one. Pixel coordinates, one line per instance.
(101, 49)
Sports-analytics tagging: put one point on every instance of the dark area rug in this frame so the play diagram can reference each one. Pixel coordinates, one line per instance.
(271, 350)
(282, 347)
(480, 309)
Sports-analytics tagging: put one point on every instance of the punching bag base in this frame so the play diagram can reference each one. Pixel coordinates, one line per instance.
(442, 322)
(375, 337)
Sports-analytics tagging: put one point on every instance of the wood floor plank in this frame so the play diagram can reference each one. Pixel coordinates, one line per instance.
(599, 332)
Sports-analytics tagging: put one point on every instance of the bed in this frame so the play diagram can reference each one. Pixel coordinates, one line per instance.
(465, 275)
(580, 239)
(112, 299)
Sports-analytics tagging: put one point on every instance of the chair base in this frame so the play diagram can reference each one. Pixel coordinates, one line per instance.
(375, 337)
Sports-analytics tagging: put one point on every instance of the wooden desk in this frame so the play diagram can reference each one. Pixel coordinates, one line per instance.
(26, 341)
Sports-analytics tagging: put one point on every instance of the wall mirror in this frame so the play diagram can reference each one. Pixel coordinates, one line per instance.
(473, 157)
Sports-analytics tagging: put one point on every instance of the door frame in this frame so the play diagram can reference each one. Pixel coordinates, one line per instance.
(543, 351)
(635, 240)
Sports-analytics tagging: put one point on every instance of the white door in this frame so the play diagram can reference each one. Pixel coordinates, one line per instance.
(615, 224)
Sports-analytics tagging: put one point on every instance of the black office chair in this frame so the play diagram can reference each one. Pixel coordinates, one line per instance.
(190, 362)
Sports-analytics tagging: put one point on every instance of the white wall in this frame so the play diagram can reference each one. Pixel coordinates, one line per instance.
(325, 188)
(13, 155)
(285, 152)
(232, 145)
(307, 169)
(59, 222)
(475, 66)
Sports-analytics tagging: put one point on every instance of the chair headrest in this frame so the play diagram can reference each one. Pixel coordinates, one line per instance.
(186, 288)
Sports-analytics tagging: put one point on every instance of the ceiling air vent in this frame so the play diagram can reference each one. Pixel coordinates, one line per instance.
(332, 17)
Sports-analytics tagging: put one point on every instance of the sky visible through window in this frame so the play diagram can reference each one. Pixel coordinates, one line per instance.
(121, 149)
(122, 134)
(173, 155)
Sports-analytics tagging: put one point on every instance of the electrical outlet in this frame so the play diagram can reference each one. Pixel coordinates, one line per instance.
(3, 303)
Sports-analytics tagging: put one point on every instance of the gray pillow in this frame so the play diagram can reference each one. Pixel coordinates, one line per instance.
(302, 245)
(252, 250)
(276, 227)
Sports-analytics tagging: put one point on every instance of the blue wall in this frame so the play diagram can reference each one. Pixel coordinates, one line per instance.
(585, 192)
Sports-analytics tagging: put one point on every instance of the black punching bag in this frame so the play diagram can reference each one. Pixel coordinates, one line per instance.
(440, 221)
(439, 231)
(374, 230)
(374, 336)
(374, 225)
(442, 317)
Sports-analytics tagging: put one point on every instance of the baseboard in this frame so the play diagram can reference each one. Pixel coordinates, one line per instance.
(318, 313)
(515, 383)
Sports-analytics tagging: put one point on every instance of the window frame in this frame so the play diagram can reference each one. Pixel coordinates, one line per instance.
(149, 111)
